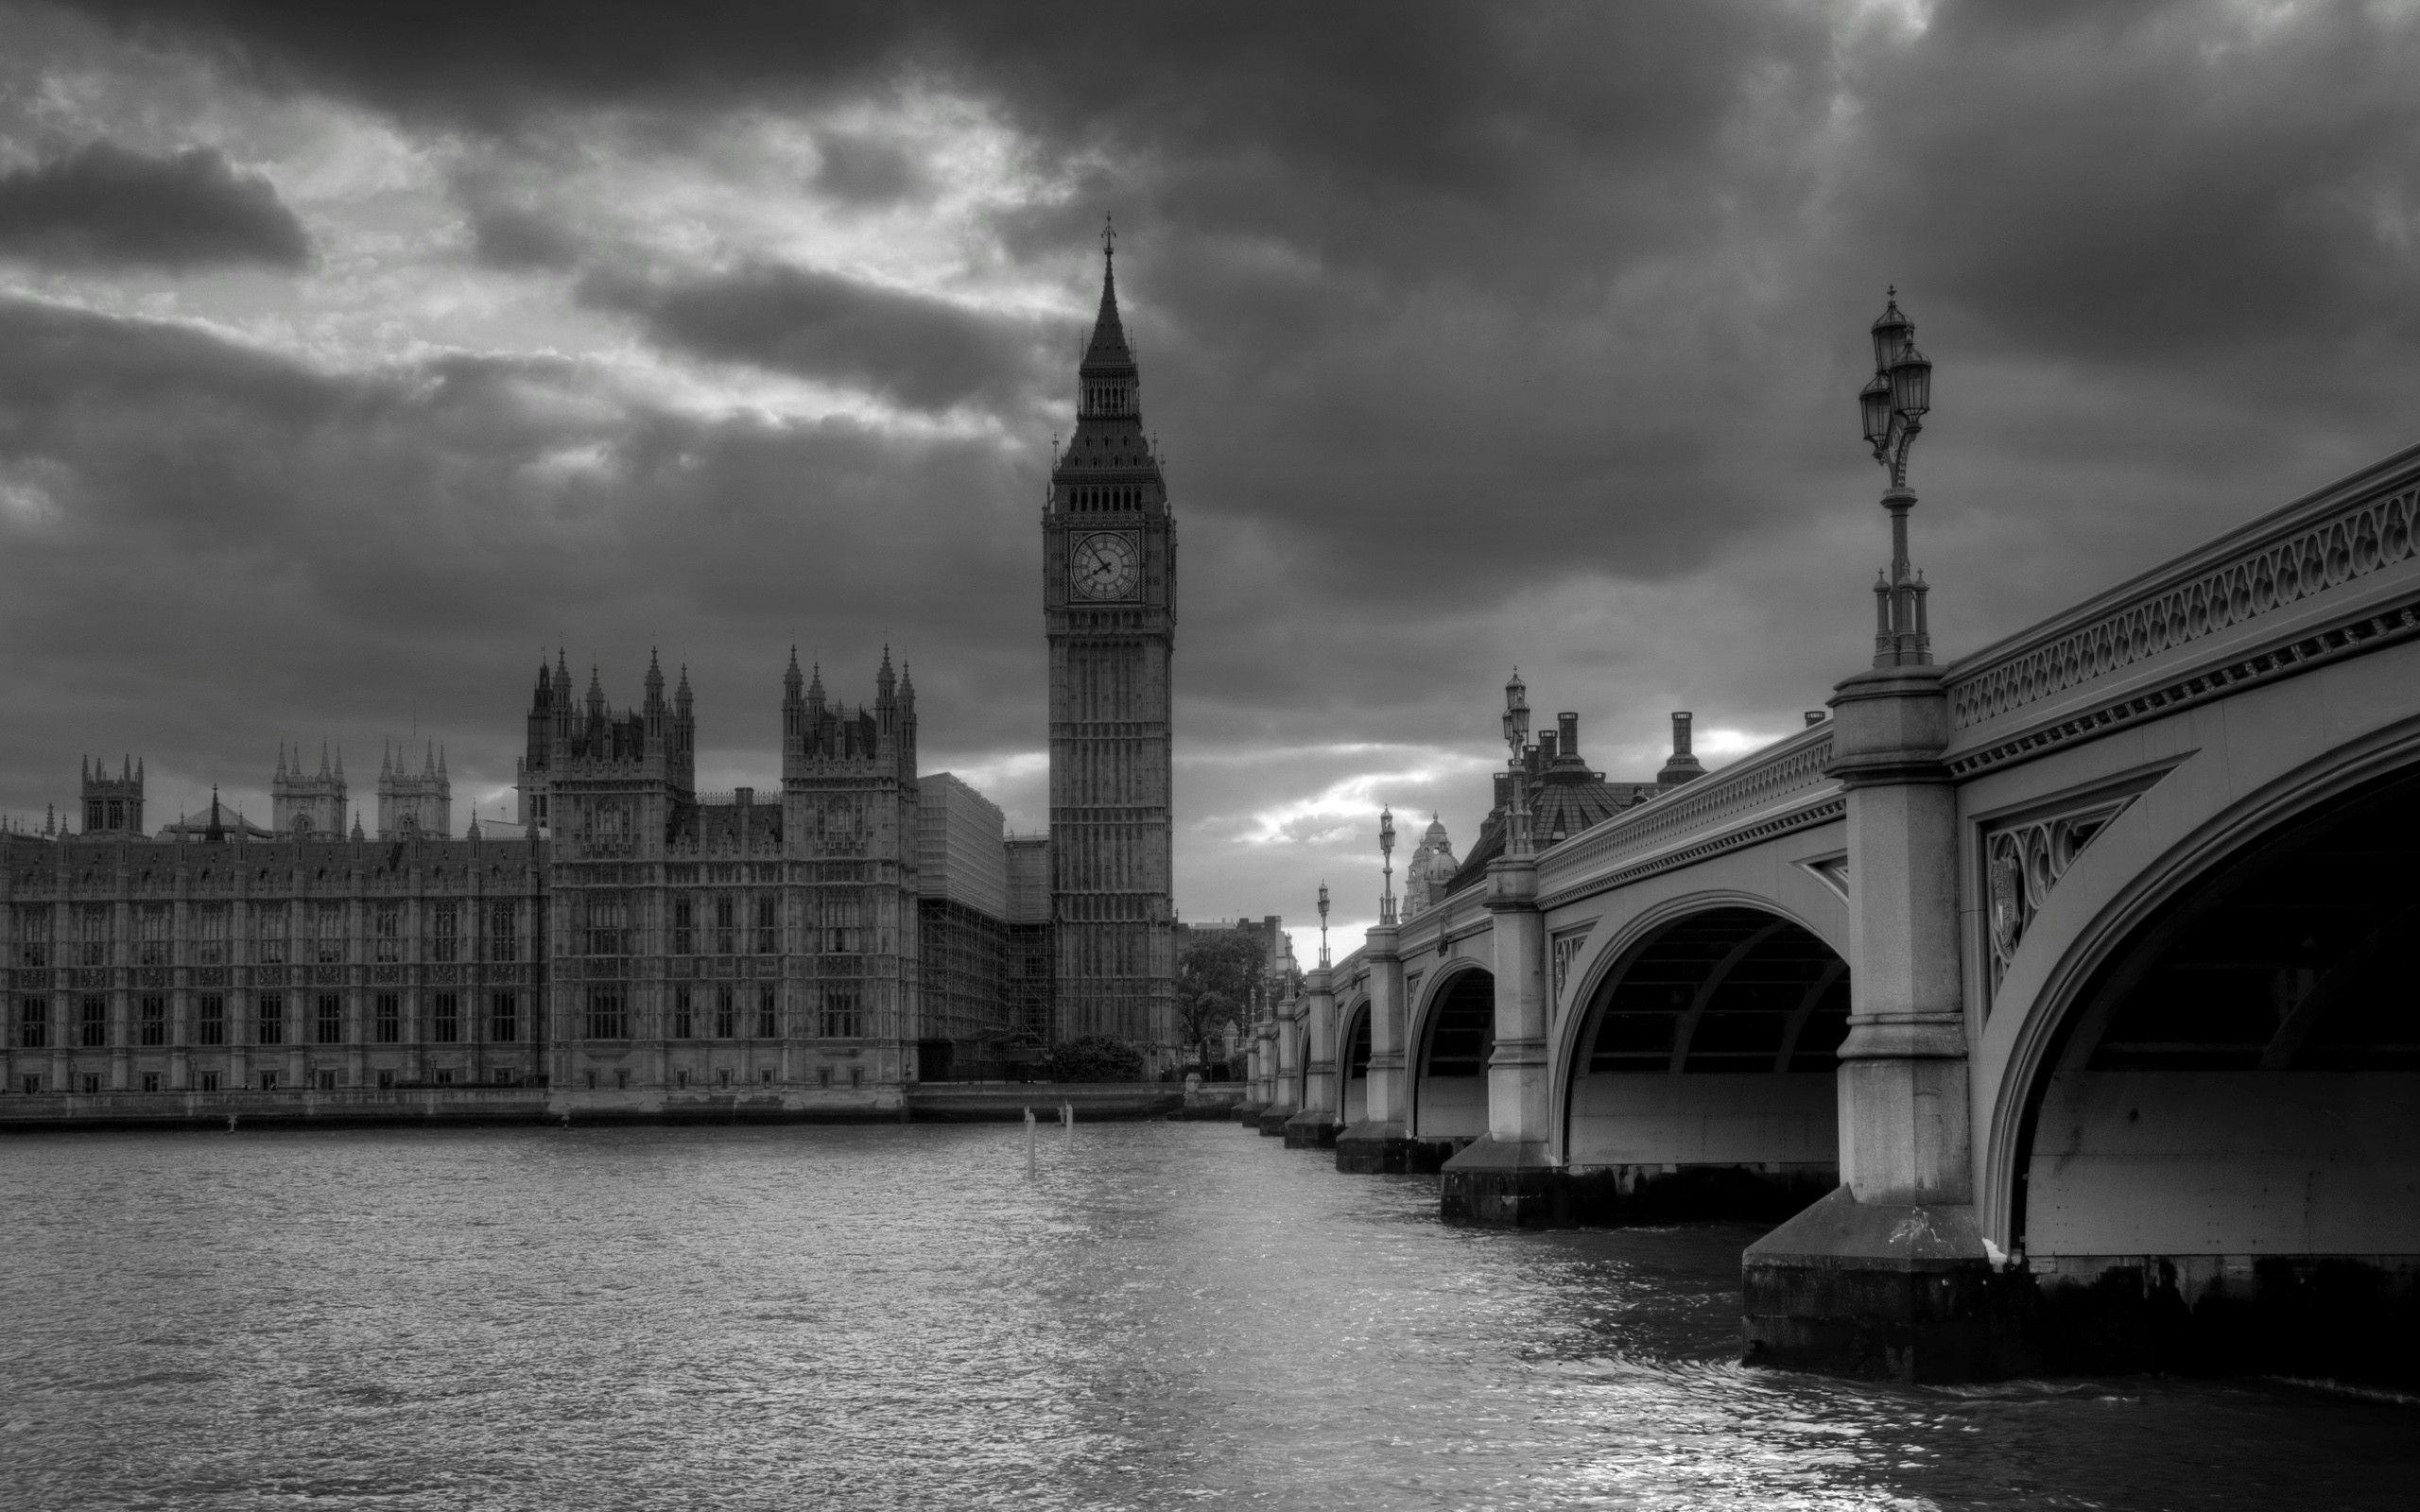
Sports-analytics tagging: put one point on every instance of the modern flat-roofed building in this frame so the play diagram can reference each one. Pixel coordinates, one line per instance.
(961, 908)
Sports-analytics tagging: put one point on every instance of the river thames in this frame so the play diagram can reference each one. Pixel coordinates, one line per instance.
(896, 1316)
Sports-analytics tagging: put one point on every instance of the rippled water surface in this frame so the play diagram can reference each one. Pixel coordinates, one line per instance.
(1166, 1314)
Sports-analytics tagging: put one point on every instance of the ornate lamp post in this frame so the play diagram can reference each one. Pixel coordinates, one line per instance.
(1891, 407)
(1516, 739)
(1323, 924)
(1386, 859)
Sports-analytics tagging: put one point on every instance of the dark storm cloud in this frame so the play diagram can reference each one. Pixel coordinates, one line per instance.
(1473, 334)
(487, 65)
(2156, 186)
(1456, 296)
(509, 235)
(1379, 242)
(105, 205)
(924, 352)
(865, 169)
(339, 553)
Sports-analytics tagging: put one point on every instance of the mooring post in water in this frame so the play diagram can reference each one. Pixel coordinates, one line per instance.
(1033, 1133)
(230, 1123)
(1068, 1118)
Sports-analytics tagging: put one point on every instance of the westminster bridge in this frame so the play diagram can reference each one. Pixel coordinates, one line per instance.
(2057, 1001)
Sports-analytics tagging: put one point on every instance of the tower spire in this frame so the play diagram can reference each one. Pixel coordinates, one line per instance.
(1108, 349)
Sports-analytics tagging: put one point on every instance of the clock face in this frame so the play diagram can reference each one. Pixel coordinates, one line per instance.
(1106, 564)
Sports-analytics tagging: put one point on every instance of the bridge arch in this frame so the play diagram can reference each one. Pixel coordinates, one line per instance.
(1696, 1068)
(1453, 1036)
(1353, 1060)
(2206, 1135)
(1607, 952)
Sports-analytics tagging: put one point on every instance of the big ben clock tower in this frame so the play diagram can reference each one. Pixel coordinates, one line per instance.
(1109, 609)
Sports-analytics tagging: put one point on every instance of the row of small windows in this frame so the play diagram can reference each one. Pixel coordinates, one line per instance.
(321, 1016)
(1104, 499)
(268, 1080)
(722, 1077)
(719, 1015)
(726, 924)
(311, 932)
(1109, 398)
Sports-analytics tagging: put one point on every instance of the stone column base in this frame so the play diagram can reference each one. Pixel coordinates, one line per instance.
(1373, 1148)
(1273, 1117)
(1247, 1112)
(1495, 1184)
(1901, 1292)
(1312, 1129)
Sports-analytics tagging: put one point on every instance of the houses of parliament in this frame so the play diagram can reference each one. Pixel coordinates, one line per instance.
(632, 944)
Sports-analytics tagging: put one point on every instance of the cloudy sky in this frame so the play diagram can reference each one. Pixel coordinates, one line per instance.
(348, 363)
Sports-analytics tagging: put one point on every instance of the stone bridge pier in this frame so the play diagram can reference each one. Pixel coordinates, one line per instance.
(1511, 1176)
(1285, 1058)
(1318, 1124)
(1890, 1268)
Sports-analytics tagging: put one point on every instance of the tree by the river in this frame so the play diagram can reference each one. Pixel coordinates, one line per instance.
(1215, 979)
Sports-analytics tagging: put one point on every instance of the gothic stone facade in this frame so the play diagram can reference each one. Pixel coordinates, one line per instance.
(640, 948)
(723, 946)
(278, 969)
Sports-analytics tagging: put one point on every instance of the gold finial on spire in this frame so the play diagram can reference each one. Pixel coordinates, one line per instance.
(1109, 236)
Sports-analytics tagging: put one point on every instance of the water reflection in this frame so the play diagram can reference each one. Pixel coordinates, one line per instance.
(896, 1316)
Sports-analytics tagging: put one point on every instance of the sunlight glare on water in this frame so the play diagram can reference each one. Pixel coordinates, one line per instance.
(896, 1316)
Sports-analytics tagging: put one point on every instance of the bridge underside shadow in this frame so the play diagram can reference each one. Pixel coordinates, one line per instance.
(1449, 1085)
(1355, 1067)
(1702, 1082)
(2220, 1166)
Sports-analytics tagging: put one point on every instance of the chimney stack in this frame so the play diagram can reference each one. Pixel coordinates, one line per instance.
(1568, 724)
(1682, 766)
(1816, 716)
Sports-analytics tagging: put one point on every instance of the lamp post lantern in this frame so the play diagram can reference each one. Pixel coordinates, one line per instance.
(1891, 408)
(1387, 860)
(1516, 740)
(1323, 924)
